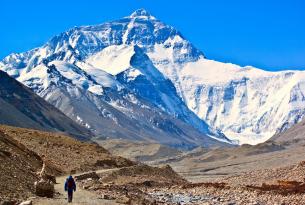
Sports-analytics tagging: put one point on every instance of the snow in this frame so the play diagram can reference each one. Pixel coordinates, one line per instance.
(248, 104)
(37, 75)
(210, 71)
(133, 73)
(141, 13)
(13, 73)
(129, 27)
(100, 76)
(113, 59)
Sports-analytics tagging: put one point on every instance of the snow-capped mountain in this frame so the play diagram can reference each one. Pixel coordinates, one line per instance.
(20, 107)
(139, 78)
(110, 86)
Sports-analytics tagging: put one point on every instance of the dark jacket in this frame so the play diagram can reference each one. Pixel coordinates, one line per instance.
(70, 181)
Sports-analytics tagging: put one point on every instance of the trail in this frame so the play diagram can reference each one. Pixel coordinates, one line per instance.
(81, 196)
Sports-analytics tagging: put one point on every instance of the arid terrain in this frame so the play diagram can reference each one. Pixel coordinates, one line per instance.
(66, 153)
(269, 173)
(17, 166)
(23, 151)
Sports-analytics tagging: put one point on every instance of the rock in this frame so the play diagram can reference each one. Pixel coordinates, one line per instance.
(106, 163)
(148, 183)
(73, 172)
(86, 187)
(92, 175)
(29, 202)
(8, 203)
(106, 196)
(52, 178)
(123, 200)
(44, 188)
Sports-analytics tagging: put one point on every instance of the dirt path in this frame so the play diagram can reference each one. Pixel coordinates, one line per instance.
(81, 196)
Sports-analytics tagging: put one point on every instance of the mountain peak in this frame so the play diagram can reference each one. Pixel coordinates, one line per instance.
(141, 13)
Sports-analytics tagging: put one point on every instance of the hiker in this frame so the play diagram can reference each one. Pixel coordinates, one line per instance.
(70, 186)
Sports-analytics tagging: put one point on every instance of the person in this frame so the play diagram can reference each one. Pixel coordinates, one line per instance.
(70, 186)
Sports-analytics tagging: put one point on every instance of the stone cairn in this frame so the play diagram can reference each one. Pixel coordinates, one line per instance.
(45, 186)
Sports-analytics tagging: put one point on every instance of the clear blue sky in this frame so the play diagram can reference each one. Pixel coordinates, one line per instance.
(268, 34)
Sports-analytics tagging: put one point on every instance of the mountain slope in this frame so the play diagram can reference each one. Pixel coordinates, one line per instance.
(247, 104)
(138, 64)
(23, 152)
(98, 101)
(133, 100)
(19, 106)
(17, 160)
(294, 136)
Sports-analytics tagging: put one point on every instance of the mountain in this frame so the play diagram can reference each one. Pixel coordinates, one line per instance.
(111, 86)
(138, 78)
(292, 137)
(19, 106)
(247, 104)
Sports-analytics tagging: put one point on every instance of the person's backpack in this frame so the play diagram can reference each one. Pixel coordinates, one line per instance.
(70, 183)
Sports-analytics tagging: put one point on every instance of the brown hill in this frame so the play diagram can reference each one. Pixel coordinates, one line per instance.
(66, 153)
(22, 152)
(294, 136)
(18, 167)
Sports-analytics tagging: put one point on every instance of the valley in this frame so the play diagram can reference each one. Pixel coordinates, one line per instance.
(161, 175)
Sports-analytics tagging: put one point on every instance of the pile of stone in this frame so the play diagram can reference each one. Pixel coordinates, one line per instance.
(45, 186)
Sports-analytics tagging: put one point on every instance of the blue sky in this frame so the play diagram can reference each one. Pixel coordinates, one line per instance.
(268, 34)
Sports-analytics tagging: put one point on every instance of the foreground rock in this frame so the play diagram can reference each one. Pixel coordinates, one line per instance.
(29, 202)
(44, 188)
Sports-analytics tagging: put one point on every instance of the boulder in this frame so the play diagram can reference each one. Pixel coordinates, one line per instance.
(8, 203)
(29, 202)
(123, 200)
(51, 178)
(44, 188)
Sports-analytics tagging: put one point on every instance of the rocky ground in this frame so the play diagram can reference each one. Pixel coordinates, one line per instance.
(227, 177)
(18, 166)
(131, 185)
(23, 151)
(137, 185)
(66, 153)
(268, 173)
